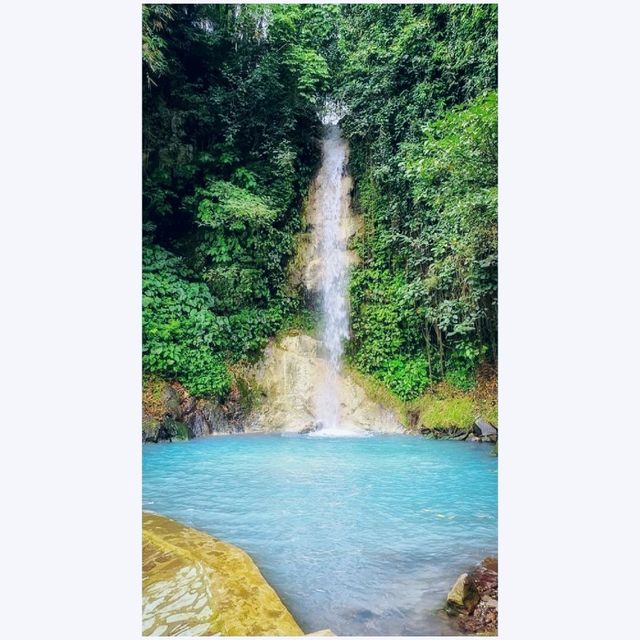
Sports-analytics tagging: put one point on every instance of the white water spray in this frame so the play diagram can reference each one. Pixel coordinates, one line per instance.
(333, 207)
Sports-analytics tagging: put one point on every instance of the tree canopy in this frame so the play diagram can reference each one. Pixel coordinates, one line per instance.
(231, 96)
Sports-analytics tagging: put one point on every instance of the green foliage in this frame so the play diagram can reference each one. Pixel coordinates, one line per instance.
(230, 130)
(406, 377)
(310, 69)
(251, 328)
(419, 85)
(223, 204)
(456, 411)
(229, 100)
(305, 321)
(181, 337)
(155, 19)
(385, 327)
(462, 362)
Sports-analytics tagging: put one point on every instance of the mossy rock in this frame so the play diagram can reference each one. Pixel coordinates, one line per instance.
(150, 428)
(171, 429)
(463, 596)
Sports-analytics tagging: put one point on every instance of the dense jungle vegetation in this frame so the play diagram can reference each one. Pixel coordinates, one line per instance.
(230, 142)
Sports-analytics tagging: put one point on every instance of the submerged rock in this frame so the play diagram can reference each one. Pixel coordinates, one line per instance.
(196, 585)
(447, 433)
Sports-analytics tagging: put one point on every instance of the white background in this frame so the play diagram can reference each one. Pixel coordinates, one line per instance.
(70, 357)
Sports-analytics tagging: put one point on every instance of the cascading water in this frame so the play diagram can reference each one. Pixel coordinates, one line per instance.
(333, 206)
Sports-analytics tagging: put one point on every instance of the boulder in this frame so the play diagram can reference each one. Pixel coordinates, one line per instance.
(171, 402)
(463, 596)
(485, 430)
(485, 577)
(483, 619)
(491, 563)
(150, 427)
(310, 428)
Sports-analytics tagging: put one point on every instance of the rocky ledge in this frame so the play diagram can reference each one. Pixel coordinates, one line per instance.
(194, 584)
(278, 394)
(480, 431)
(473, 599)
(169, 412)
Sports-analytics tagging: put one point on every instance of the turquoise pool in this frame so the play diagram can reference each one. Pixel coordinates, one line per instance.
(361, 535)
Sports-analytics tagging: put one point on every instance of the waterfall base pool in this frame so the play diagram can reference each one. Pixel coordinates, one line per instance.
(364, 536)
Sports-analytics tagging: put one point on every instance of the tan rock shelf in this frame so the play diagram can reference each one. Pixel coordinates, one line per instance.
(194, 584)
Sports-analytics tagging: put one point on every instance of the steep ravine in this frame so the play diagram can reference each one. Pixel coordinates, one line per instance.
(299, 383)
(282, 392)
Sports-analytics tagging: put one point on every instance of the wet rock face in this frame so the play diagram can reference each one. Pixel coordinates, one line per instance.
(464, 595)
(474, 599)
(180, 416)
(289, 375)
(198, 425)
(150, 428)
(172, 402)
(306, 268)
(287, 379)
(208, 417)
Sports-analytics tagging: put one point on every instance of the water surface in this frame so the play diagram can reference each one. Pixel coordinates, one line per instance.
(361, 535)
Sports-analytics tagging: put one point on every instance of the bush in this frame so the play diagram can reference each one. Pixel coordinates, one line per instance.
(419, 84)
(182, 338)
(406, 377)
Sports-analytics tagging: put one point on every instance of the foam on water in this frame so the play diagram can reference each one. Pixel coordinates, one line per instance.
(361, 535)
(340, 432)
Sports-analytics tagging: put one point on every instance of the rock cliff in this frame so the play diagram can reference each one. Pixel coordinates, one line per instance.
(283, 387)
(288, 375)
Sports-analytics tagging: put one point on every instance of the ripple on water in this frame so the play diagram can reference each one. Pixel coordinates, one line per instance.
(361, 535)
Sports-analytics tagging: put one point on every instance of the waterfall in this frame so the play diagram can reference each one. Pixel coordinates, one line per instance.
(332, 235)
